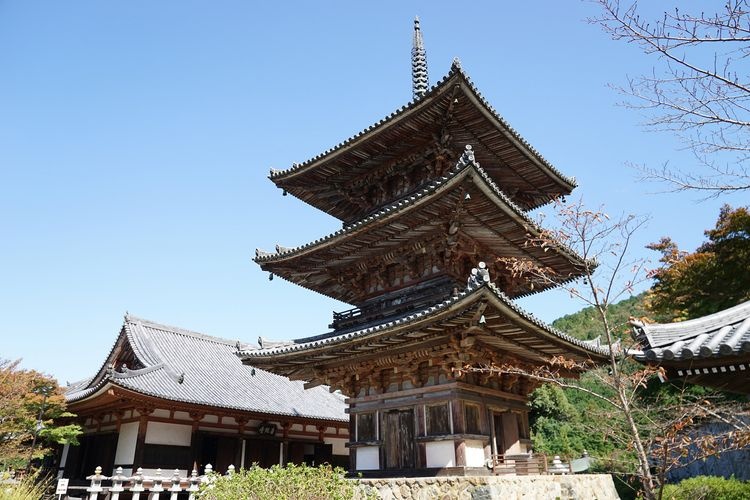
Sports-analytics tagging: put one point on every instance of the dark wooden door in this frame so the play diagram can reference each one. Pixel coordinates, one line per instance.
(497, 419)
(398, 439)
(263, 452)
(219, 451)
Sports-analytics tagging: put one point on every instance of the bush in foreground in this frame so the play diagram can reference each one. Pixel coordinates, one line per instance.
(28, 488)
(283, 483)
(708, 488)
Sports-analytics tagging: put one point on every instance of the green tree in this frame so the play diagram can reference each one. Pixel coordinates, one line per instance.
(32, 406)
(714, 277)
(586, 324)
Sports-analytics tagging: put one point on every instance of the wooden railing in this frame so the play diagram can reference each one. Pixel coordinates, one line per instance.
(521, 464)
(152, 487)
(525, 464)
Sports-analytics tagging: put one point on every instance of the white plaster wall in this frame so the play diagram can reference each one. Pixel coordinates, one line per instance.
(159, 412)
(474, 453)
(126, 443)
(368, 458)
(182, 415)
(169, 434)
(338, 445)
(210, 419)
(440, 454)
(228, 421)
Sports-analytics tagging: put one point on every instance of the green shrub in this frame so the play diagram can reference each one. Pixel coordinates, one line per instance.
(28, 488)
(708, 488)
(283, 483)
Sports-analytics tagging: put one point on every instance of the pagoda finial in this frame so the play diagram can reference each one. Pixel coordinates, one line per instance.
(419, 78)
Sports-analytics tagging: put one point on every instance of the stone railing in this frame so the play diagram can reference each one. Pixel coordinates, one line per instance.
(152, 487)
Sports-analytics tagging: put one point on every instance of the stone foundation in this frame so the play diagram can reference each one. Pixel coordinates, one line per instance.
(552, 487)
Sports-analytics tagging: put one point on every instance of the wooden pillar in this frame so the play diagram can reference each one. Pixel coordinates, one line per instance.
(459, 427)
(140, 442)
(421, 431)
(352, 437)
(285, 426)
(195, 440)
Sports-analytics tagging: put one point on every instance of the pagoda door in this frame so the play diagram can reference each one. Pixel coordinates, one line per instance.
(506, 433)
(398, 439)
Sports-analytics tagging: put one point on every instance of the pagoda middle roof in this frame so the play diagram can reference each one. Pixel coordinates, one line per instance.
(494, 221)
(506, 326)
(509, 159)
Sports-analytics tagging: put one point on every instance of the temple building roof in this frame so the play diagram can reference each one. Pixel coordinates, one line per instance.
(452, 113)
(178, 365)
(484, 217)
(498, 322)
(713, 350)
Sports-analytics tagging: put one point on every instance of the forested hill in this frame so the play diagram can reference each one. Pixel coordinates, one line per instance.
(586, 324)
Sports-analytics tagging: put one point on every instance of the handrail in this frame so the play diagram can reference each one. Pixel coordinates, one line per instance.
(151, 486)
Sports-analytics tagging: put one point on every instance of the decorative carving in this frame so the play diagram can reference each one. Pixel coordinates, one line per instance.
(479, 276)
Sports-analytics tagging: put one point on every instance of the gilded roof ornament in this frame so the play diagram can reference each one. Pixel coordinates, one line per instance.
(420, 79)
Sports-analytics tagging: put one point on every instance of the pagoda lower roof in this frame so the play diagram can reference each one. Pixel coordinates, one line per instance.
(490, 219)
(497, 322)
(508, 158)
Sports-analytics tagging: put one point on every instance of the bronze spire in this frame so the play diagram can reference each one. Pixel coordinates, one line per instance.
(419, 78)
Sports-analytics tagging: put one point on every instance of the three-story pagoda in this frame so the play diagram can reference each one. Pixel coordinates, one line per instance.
(433, 199)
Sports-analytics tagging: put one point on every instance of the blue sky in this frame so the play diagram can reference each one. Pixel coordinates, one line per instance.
(136, 138)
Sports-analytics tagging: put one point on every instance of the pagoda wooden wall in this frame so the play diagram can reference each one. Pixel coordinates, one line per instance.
(448, 427)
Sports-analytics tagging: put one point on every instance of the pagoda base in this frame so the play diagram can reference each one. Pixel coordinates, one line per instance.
(448, 428)
(433, 472)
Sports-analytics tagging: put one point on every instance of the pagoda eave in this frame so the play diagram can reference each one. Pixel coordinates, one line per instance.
(483, 314)
(322, 181)
(483, 224)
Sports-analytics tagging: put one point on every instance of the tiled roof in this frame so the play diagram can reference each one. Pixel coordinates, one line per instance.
(725, 333)
(467, 296)
(465, 164)
(455, 70)
(180, 365)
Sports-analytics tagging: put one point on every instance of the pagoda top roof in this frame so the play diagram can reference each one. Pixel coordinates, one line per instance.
(530, 334)
(466, 166)
(515, 160)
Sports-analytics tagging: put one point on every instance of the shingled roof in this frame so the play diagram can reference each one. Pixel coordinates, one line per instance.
(713, 350)
(514, 330)
(179, 365)
(722, 334)
(504, 231)
(508, 158)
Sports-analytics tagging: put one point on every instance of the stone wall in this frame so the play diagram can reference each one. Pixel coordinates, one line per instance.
(542, 487)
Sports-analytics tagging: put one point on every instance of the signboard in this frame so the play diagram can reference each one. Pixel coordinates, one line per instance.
(62, 486)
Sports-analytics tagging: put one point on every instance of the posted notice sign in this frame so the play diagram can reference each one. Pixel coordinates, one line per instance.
(62, 486)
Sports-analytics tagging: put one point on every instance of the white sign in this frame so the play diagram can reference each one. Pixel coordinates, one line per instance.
(62, 487)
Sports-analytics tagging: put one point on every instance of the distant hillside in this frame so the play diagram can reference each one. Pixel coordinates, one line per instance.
(586, 324)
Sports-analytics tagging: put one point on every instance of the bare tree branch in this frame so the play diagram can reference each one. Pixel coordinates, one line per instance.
(700, 94)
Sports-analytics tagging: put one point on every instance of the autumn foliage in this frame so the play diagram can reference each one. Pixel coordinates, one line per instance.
(31, 404)
(714, 277)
